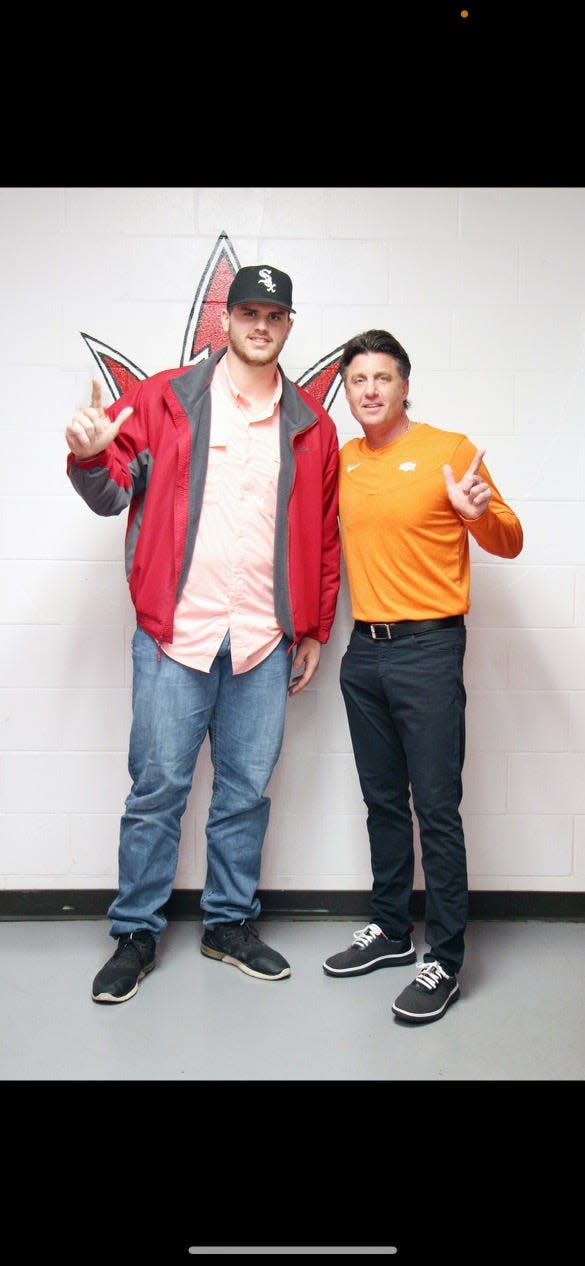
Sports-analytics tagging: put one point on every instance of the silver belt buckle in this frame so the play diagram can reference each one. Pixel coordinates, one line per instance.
(381, 625)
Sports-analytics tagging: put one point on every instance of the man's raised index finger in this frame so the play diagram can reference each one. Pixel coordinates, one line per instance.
(477, 460)
(96, 394)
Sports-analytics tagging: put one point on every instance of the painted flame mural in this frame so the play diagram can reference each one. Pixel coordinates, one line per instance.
(204, 335)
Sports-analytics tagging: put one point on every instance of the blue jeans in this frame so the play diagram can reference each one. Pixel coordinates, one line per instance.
(405, 702)
(173, 708)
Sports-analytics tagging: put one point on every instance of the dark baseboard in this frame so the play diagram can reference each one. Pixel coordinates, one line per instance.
(93, 903)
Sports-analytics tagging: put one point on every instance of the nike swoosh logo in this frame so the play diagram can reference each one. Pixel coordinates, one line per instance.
(354, 467)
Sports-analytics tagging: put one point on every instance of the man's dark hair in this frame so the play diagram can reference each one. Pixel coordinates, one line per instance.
(374, 341)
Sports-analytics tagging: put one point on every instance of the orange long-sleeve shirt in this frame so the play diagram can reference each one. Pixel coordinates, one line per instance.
(406, 550)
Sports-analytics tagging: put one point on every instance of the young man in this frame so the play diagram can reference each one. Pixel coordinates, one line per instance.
(228, 471)
(410, 497)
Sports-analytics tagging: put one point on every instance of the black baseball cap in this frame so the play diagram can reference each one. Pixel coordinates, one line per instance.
(261, 283)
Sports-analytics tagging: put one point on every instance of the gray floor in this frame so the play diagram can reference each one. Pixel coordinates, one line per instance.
(521, 1015)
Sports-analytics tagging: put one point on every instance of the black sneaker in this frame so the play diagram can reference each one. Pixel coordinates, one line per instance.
(428, 996)
(133, 959)
(369, 950)
(240, 945)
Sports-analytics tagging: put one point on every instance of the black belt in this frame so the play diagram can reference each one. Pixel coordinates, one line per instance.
(379, 630)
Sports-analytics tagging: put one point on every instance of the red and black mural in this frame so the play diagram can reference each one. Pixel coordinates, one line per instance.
(204, 335)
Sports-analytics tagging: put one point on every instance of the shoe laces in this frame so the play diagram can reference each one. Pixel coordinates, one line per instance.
(365, 936)
(248, 930)
(130, 941)
(124, 946)
(429, 975)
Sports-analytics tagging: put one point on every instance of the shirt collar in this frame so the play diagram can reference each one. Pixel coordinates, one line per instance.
(238, 396)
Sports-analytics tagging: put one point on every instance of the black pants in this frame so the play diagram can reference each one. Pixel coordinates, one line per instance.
(405, 702)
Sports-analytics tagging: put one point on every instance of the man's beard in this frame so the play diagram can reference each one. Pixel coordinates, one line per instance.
(270, 356)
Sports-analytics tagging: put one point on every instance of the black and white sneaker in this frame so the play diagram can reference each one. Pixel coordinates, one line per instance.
(134, 958)
(369, 950)
(239, 945)
(428, 995)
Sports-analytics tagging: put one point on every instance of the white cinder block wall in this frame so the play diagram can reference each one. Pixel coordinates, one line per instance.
(485, 287)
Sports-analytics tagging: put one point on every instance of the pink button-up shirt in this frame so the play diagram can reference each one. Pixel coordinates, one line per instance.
(230, 581)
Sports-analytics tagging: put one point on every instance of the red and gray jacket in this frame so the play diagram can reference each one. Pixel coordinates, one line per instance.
(156, 468)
